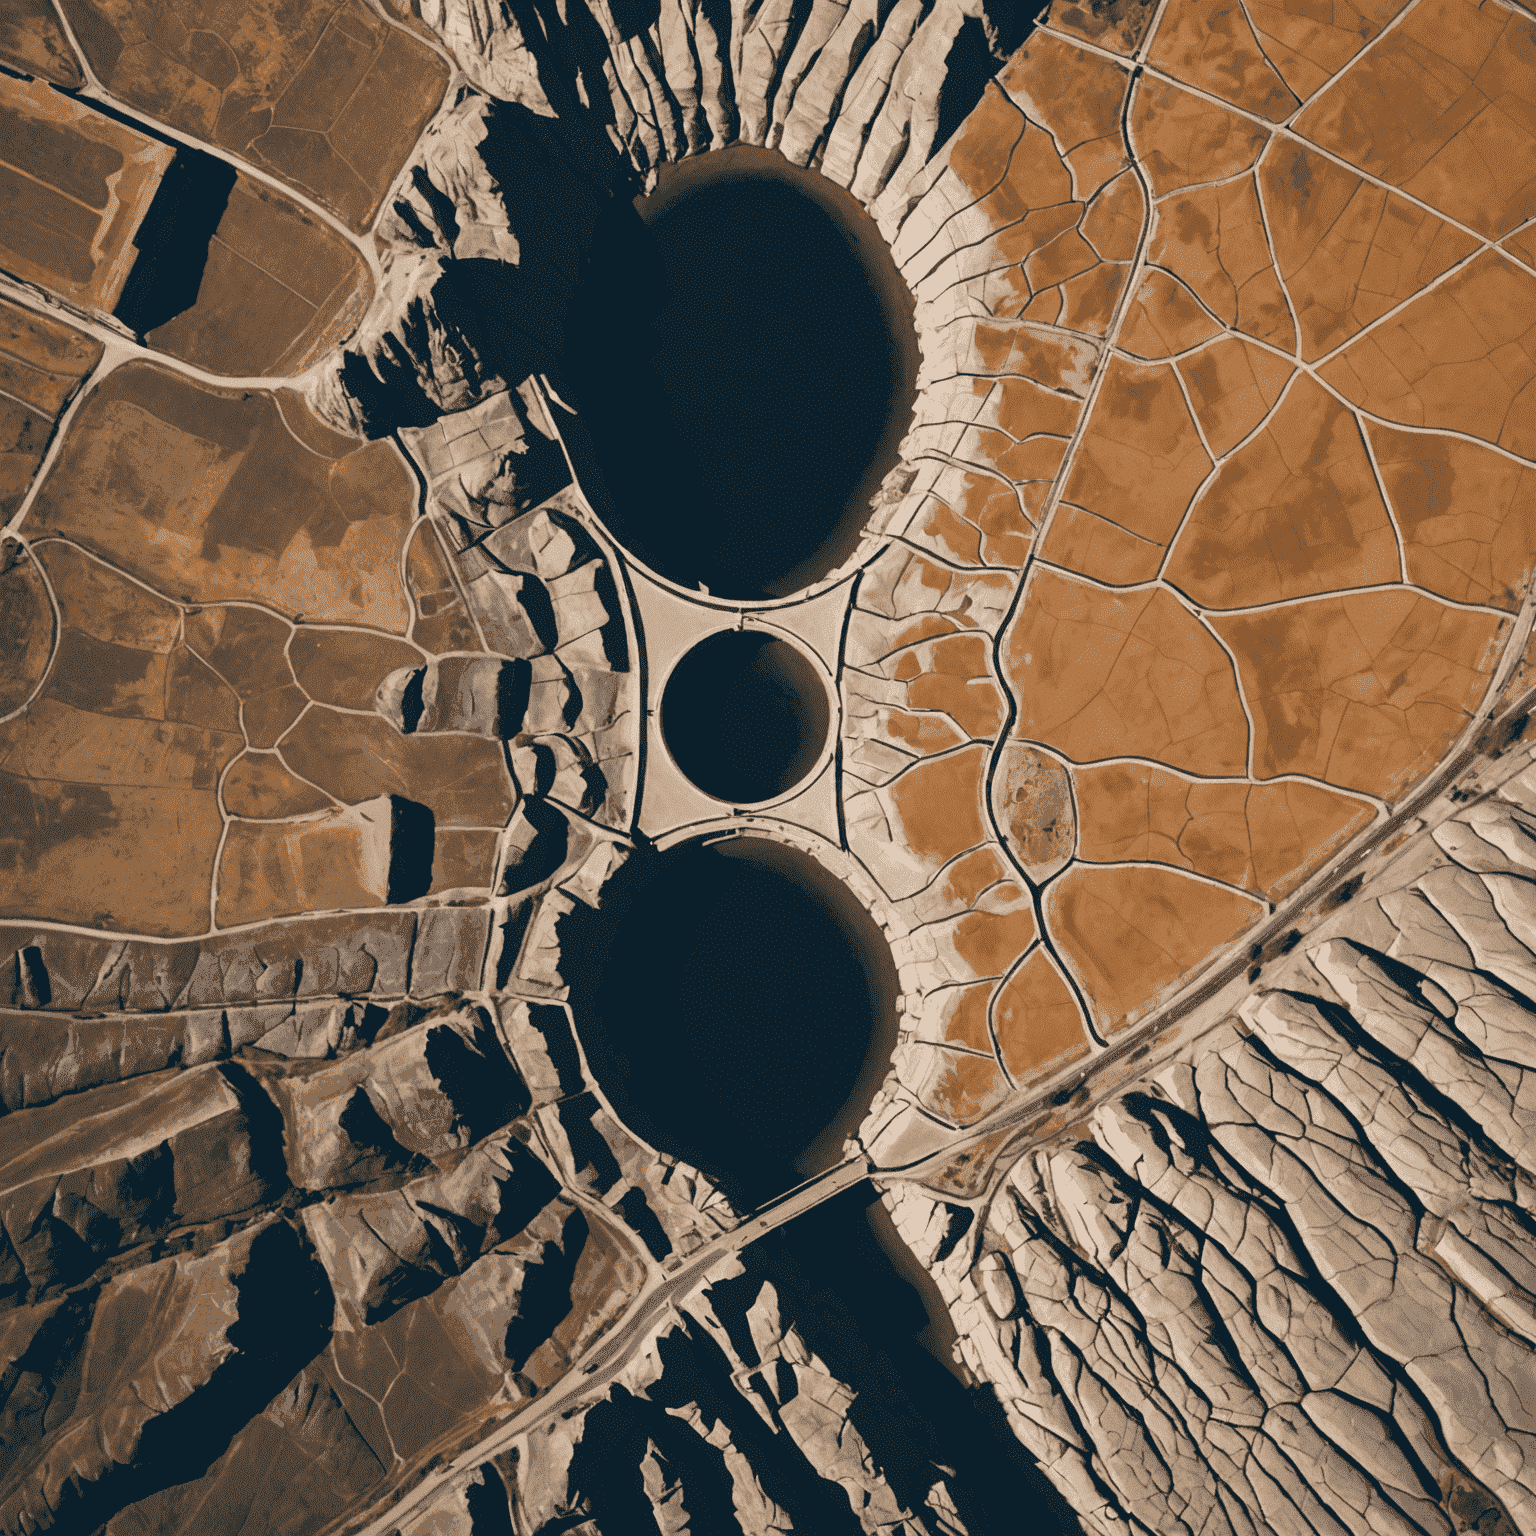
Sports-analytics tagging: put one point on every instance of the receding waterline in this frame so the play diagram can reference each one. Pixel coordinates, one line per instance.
(745, 716)
(738, 1007)
(743, 424)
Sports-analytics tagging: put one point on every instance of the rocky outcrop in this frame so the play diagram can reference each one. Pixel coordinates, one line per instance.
(82, 1010)
(385, 1248)
(487, 241)
(365, 1416)
(542, 595)
(725, 1421)
(1282, 1279)
(866, 90)
(81, 1185)
(362, 1216)
(140, 1376)
(412, 1097)
(482, 251)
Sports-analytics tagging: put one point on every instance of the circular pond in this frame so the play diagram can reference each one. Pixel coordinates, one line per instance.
(738, 1007)
(745, 363)
(745, 716)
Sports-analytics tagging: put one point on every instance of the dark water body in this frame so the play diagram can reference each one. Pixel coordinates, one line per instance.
(737, 1006)
(743, 357)
(173, 240)
(745, 716)
(920, 1421)
(883, 1336)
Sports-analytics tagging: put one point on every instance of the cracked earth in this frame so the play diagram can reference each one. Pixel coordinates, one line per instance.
(1178, 687)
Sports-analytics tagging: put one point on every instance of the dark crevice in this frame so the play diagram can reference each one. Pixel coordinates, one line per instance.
(33, 982)
(605, 1470)
(960, 1219)
(1160, 1117)
(641, 1220)
(633, 17)
(381, 1158)
(730, 1299)
(481, 1084)
(799, 14)
(536, 862)
(545, 1298)
(390, 398)
(559, 1045)
(613, 635)
(571, 73)
(395, 1021)
(406, 213)
(589, 1151)
(514, 683)
(411, 701)
(579, 1522)
(444, 210)
(838, 1288)
(1008, 27)
(966, 71)
(488, 1503)
(513, 931)
(264, 1127)
(533, 598)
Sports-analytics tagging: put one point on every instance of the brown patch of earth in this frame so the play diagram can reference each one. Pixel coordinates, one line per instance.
(206, 494)
(75, 186)
(1132, 935)
(1039, 1024)
(1366, 690)
(26, 626)
(279, 290)
(328, 97)
(32, 41)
